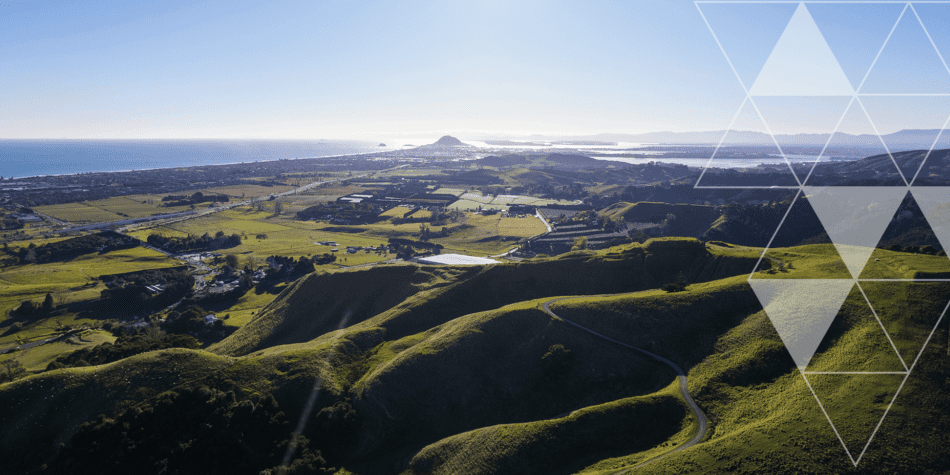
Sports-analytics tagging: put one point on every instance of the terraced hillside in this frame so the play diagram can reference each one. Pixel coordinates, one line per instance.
(412, 370)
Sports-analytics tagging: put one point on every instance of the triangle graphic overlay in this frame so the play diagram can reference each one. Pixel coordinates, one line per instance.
(934, 202)
(855, 218)
(801, 310)
(855, 405)
(801, 64)
(909, 126)
(908, 63)
(856, 138)
(786, 116)
(856, 341)
(746, 33)
(748, 131)
(935, 17)
(909, 312)
(855, 32)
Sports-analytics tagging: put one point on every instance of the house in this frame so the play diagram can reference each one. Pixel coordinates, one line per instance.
(210, 319)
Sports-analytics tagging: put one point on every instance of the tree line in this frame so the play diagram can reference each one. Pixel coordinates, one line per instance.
(194, 243)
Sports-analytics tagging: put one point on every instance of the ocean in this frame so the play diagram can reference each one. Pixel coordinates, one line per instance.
(23, 158)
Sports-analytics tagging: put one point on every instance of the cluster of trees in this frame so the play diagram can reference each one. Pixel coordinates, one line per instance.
(29, 309)
(439, 217)
(556, 362)
(74, 247)
(325, 258)
(588, 217)
(191, 431)
(125, 346)
(287, 268)
(406, 248)
(8, 223)
(194, 243)
(128, 293)
(196, 198)
(425, 233)
(190, 320)
(11, 370)
(679, 285)
(349, 213)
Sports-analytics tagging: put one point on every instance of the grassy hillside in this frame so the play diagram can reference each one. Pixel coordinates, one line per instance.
(327, 301)
(302, 312)
(467, 374)
(490, 368)
(772, 424)
(689, 220)
(553, 445)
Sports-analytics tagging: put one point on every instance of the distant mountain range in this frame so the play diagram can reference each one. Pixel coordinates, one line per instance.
(916, 138)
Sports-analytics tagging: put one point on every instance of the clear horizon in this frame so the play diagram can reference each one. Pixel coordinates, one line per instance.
(295, 70)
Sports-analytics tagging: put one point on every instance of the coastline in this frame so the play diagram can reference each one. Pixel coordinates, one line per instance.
(4, 154)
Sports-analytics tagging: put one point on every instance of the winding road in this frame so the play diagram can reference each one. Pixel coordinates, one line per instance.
(681, 376)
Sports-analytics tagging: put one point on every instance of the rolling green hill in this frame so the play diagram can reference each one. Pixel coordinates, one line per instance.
(431, 297)
(688, 220)
(418, 370)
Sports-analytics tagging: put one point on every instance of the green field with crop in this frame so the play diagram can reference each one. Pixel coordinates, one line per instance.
(72, 281)
(37, 358)
(473, 234)
(78, 213)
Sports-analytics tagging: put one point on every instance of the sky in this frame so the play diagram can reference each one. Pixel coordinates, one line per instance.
(359, 69)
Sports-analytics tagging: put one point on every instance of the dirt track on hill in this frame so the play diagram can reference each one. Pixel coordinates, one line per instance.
(681, 376)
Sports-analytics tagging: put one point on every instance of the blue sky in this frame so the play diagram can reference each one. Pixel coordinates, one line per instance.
(340, 69)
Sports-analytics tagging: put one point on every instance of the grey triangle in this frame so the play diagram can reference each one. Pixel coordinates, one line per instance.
(802, 64)
(801, 310)
(855, 218)
(934, 202)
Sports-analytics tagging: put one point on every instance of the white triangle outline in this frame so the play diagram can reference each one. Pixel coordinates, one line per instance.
(890, 32)
(844, 113)
(934, 203)
(881, 139)
(933, 144)
(932, 42)
(855, 243)
(921, 350)
(834, 428)
(802, 327)
(795, 198)
(854, 105)
(894, 28)
(887, 411)
(768, 131)
(735, 71)
(881, 325)
(791, 69)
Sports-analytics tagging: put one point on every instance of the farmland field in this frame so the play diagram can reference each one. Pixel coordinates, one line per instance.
(37, 358)
(78, 213)
(473, 234)
(397, 212)
(247, 306)
(71, 281)
(135, 206)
